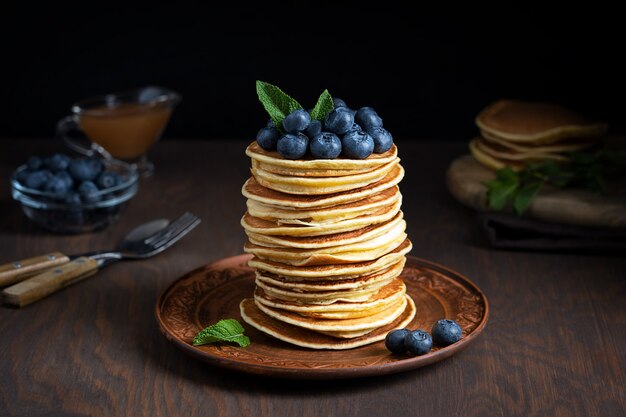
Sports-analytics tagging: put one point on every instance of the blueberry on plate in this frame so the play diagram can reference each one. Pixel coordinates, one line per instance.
(57, 162)
(337, 102)
(292, 146)
(382, 139)
(368, 118)
(37, 179)
(267, 138)
(297, 121)
(446, 332)
(394, 341)
(314, 128)
(339, 120)
(325, 145)
(357, 144)
(418, 342)
(108, 180)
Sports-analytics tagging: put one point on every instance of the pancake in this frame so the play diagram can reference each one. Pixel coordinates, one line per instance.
(336, 283)
(387, 295)
(489, 161)
(326, 215)
(317, 242)
(255, 152)
(332, 255)
(560, 147)
(266, 227)
(501, 153)
(362, 323)
(535, 122)
(329, 271)
(276, 169)
(360, 294)
(321, 185)
(255, 191)
(298, 336)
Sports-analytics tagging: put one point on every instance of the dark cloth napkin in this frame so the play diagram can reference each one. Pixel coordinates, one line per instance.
(512, 232)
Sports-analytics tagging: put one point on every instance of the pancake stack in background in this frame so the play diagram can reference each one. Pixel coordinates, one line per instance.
(514, 133)
(329, 244)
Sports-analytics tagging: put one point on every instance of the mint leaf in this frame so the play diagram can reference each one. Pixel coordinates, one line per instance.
(525, 196)
(277, 104)
(323, 106)
(227, 330)
(502, 188)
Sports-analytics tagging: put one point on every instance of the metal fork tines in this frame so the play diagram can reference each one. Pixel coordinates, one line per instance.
(173, 232)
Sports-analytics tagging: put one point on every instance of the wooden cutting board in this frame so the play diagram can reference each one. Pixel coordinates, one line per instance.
(465, 178)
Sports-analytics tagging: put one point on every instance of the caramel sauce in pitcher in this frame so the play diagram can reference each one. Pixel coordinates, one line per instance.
(126, 130)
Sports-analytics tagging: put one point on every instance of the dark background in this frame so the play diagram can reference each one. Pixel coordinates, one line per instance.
(426, 73)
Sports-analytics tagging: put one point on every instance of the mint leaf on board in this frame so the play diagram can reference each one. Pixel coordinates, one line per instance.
(276, 102)
(323, 106)
(227, 330)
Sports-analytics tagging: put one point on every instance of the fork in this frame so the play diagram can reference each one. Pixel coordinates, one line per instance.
(50, 281)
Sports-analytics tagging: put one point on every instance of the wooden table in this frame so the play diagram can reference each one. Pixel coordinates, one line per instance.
(555, 344)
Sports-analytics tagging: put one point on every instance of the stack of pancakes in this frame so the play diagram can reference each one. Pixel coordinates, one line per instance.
(514, 133)
(329, 245)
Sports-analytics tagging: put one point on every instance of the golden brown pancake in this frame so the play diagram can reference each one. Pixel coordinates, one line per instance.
(255, 191)
(536, 122)
(489, 161)
(299, 336)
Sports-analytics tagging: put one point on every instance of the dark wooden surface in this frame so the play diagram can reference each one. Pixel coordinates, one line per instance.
(555, 344)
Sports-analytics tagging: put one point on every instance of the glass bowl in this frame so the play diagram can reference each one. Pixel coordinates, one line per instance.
(57, 216)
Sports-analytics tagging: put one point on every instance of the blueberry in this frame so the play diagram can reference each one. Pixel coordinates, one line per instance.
(325, 145)
(337, 102)
(367, 117)
(356, 127)
(297, 121)
(72, 198)
(65, 176)
(293, 146)
(382, 139)
(22, 175)
(394, 341)
(418, 342)
(314, 128)
(34, 163)
(267, 138)
(57, 162)
(38, 179)
(446, 332)
(108, 180)
(339, 120)
(357, 144)
(58, 186)
(270, 123)
(84, 169)
(88, 192)
(95, 166)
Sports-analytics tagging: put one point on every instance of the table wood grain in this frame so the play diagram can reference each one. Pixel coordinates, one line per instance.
(555, 344)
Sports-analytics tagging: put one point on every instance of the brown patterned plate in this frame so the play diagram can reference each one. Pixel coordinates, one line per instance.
(213, 292)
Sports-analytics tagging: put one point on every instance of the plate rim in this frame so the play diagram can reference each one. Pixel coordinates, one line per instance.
(406, 364)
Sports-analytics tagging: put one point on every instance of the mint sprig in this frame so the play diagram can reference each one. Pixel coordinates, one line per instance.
(323, 106)
(227, 330)
(586, 170)
(276, 102)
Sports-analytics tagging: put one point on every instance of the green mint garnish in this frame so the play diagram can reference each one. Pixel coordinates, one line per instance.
(277, 104)
(323, 106)
(585, 170)
(227, 330)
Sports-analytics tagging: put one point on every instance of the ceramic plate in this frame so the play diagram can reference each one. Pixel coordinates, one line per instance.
(213, 292)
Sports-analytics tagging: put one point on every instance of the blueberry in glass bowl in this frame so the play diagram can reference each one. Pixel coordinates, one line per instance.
(86, 195)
